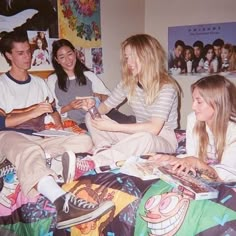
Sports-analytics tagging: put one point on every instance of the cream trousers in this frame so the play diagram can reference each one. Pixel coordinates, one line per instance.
(125, 145)
(27, 153)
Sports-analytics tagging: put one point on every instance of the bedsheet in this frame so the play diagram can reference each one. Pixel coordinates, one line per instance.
(141, 208)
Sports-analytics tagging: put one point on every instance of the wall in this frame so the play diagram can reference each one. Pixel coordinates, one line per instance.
(160, 14)
(119, 19)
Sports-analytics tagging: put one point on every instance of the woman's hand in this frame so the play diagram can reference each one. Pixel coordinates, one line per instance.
(162, 159)
(76, 104)
(182, 166)
(104, 124)
(88, 103)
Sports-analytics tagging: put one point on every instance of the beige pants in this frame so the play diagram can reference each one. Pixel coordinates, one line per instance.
(27, 153)
(125, 145)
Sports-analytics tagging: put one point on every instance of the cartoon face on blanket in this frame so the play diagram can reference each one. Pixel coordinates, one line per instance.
(165, 213)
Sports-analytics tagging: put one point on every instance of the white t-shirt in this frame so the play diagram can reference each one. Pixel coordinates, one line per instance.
(226, 170)
(16, 94)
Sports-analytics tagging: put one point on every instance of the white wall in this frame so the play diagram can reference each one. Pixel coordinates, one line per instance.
(119, 20)
(160, 14)
(122, 18)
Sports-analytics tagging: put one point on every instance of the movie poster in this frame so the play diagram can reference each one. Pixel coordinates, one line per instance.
(208, 48)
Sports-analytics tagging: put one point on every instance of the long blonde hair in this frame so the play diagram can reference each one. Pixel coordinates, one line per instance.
(219, 93)
(232, 56)
(153, 73)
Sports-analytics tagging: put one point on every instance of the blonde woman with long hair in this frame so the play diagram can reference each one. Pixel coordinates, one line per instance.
(211, 131)
(153, 98)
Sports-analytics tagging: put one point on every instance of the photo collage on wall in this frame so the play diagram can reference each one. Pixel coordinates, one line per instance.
(208, 48)
(75, 20)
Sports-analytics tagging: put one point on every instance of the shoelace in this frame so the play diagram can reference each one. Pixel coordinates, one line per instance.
(83, 165)
(77, 202)
(9, 168)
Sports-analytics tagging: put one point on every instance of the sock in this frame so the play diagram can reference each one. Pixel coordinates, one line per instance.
(48, 187)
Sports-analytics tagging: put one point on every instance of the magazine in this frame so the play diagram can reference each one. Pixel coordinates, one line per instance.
(53, 133)
(141, 168)
(195, 187)
(189, 185)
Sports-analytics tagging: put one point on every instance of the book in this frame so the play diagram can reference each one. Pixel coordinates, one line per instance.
(192, 186)
(139, 167)
(53, 133)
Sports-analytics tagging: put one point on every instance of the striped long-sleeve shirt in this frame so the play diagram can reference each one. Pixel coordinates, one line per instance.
(164, 106)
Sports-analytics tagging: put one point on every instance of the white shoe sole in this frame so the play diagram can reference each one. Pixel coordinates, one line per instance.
(68, 164)
(103, 208)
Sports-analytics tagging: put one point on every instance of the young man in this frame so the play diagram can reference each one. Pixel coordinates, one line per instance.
(198, 62)
(24, 102)
(218, 44)
(175, 57)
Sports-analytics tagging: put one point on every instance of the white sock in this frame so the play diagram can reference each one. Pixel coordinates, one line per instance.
(48, 187)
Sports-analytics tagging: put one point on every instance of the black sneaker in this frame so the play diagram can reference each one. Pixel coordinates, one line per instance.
(6, 168)
(72, 210)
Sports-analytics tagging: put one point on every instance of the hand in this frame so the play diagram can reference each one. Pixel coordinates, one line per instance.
(104, 124)
(183, 166)
(88, 103)
(162, 159)
(41, 108)
(76, 104)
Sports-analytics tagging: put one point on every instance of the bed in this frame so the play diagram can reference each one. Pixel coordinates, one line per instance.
(142, 208)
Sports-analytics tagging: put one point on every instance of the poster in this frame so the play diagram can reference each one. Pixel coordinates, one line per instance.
(76, 20)
(79, 21)
(35, 17)
(207, 48)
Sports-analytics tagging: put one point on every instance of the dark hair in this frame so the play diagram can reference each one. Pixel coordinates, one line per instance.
(198, 44)
(207, 48)
(218, 43)
(61, 74)
(44, 43)
(6, 43)
(179, 43)
(190, 48)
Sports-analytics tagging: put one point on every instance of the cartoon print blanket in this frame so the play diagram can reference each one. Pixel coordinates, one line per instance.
(149, 208)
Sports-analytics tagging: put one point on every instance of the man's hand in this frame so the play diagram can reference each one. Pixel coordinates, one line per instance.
(40, 109)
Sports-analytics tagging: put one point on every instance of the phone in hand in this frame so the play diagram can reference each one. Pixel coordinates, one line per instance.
(93, 111)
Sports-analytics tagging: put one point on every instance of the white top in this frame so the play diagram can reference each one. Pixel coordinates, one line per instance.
(16, 94)
(226, 170)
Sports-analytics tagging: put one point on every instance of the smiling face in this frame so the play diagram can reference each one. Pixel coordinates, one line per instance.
(203, 111)
(210, 54)
(225, 54)
(178, 51)
(66, 57)
(165, 213)
(20, 56)
(132, 61)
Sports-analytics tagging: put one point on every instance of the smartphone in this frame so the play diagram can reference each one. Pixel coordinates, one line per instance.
(93, 111)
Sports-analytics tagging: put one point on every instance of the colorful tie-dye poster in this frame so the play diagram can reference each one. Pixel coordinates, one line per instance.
(79, 20)
(208, 48)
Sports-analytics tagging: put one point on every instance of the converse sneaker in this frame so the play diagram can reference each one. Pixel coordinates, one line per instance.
(72, 210)
(6, 168)
(74, 167)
